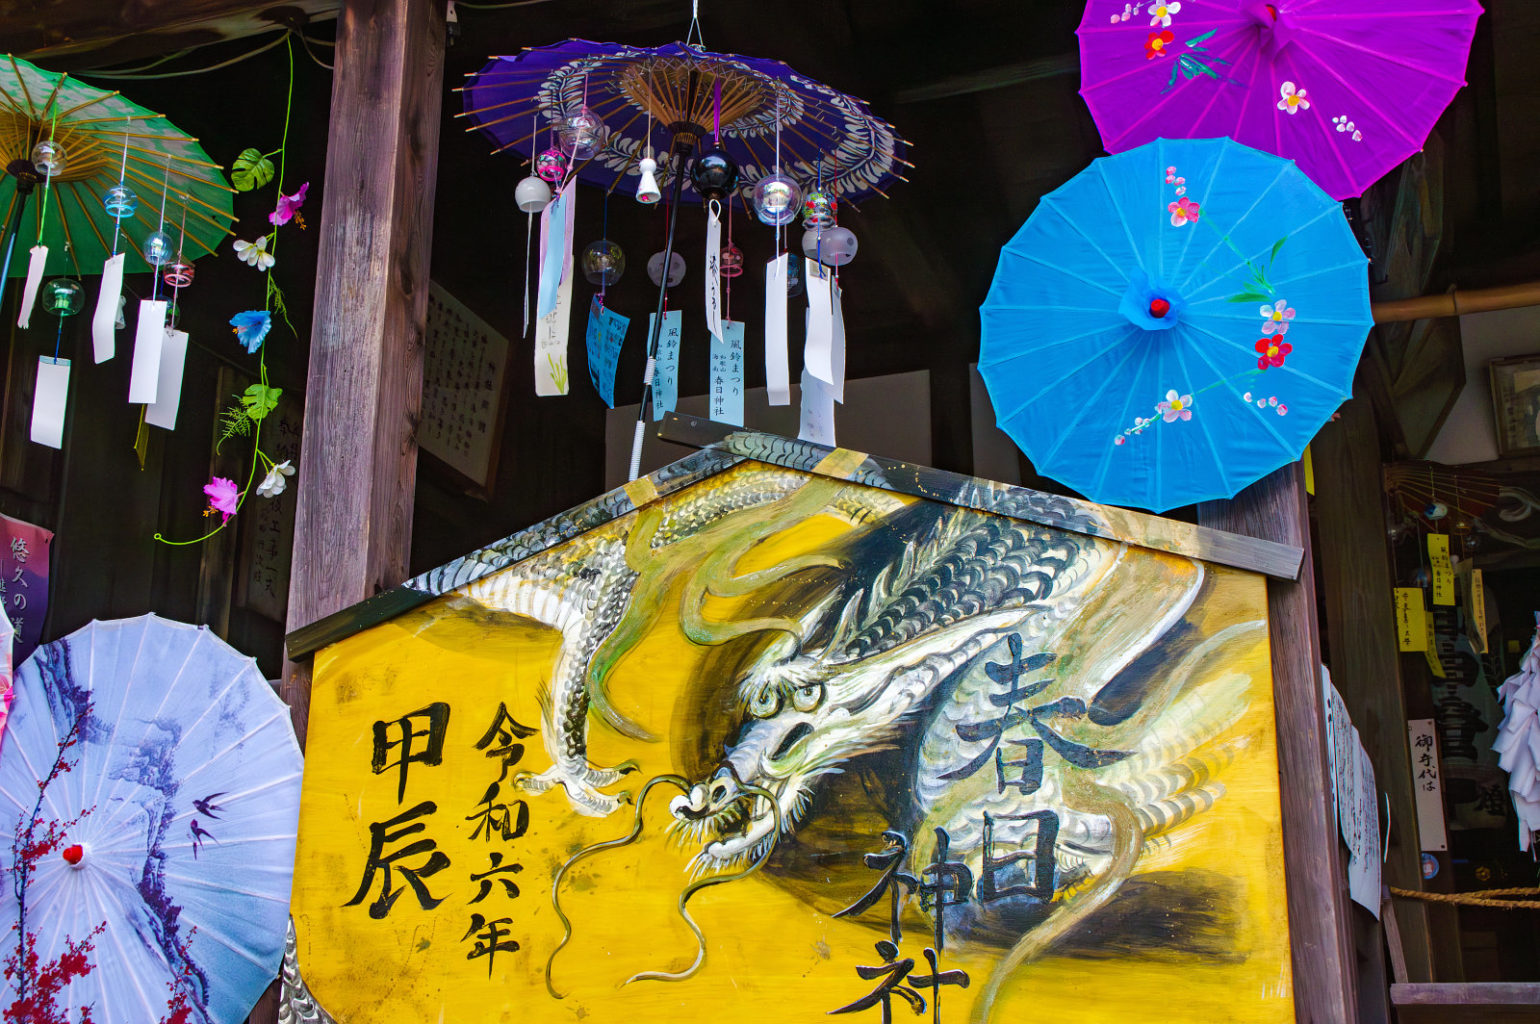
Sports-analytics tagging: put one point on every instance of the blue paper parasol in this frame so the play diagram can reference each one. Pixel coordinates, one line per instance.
(521, 102)
(152, 777)
(1174, 323)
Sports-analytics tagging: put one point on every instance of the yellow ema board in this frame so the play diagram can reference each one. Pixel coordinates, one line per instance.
(776, 747)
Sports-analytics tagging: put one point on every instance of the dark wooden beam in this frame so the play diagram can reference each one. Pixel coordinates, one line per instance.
(358, 463)
(1356, 575)
(1325, 986)
(60, 31)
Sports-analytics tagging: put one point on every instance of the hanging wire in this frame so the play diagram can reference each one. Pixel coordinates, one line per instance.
(694, 33)
(117, 221)
(305, 41)
(465, 6)
(134, 76)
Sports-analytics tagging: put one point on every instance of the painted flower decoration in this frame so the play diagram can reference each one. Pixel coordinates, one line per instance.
(224, 497)
(255, 254)
(288, 208)
(1160, 14)
(1293, 100)
(1155, 46)
(1183, 211)
(276, 480)
(1175, 407)
(1273, 351)
(1275, 317)
(251, 327)
(1344, 125)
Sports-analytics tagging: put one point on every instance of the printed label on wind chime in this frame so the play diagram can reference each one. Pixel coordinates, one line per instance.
(551, 340)
(1411, 626)
(726, 383)
(665, 375)
(714, 274)
(606, 334)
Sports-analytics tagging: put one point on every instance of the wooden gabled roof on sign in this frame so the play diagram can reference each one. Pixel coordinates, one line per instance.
(730, 449)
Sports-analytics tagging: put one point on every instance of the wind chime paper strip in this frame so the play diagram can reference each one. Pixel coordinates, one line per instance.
(104, 321)
(837, 341)
(665, 376)
(817, 423)
(777, 362)
(555, 245)
(606, 334)
(168, 395)
(714, 275)
(726, 384)
(551, 340)
(1442, 568)
(48, 398)
(34, 279)
(149, 334)
(817, 351)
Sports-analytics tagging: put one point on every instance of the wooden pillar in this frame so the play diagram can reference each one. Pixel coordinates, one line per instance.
(1325, 990)
(358, 463)
(1361, 638)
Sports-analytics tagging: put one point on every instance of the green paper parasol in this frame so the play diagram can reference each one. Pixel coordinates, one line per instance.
(93, 126)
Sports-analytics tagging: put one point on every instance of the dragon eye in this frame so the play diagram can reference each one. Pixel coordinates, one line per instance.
(806, 698)
(765, 703)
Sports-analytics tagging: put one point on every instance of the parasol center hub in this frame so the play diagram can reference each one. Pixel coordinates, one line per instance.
(74, 855)
(1159, 308)
(1151, 304)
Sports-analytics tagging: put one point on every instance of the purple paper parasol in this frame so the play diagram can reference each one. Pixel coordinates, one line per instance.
(521, 103)
(1347, 88)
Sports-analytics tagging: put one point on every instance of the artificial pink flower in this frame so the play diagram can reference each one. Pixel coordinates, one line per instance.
(288, 207)
(1183, 211)
(224, 497)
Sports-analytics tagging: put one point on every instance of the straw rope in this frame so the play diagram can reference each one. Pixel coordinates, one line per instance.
(1479, 898)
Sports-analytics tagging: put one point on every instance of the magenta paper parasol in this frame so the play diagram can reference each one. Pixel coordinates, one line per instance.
(1346, 88)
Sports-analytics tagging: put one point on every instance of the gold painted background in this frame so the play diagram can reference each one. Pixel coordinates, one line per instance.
(773, 949)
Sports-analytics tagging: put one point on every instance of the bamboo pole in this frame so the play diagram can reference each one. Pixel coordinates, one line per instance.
(1458, 302)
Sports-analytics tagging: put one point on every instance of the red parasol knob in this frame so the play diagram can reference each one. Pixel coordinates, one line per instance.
(1159, 308)
(74, 854)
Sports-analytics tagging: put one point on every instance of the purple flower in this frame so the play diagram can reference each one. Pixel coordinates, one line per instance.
(224, 497)
(288, 207)
(251, 327)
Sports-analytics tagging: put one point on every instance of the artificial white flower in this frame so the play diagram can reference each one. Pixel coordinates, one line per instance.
(255, 253)
(274, 483)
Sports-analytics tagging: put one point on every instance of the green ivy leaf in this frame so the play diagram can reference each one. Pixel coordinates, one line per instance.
(250, 170)
(259, 400)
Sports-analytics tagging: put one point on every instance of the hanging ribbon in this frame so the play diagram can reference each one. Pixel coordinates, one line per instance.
(777, 368)
(714, 270)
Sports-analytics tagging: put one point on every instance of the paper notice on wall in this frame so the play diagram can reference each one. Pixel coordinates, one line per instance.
(1411, 620)
(817, 422)
(34, 279)
(605, 336)
(725, 386)
(714, 274)
(104, 320)
(665, 373)
(168, 392)
(149, 336)
(1355, 798)
(48, 401)
(1427, 785)
(551, 341)
(1441, 568)
(777, 361)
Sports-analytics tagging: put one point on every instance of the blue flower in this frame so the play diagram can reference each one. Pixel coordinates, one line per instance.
(251, 327)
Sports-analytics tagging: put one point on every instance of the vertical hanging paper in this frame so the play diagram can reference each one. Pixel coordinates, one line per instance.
(817, 351)
(168, 391)
(665, 377)
(777, 362)
(1411, 627)
(149, 336)
(34, 279)
(1441, 568)
(104, 319)
(726, 384)
(817, 424)
(606, 335)
(714, 273)
(551, 341)
(48, 398)
(837, 341)
(555, 225)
